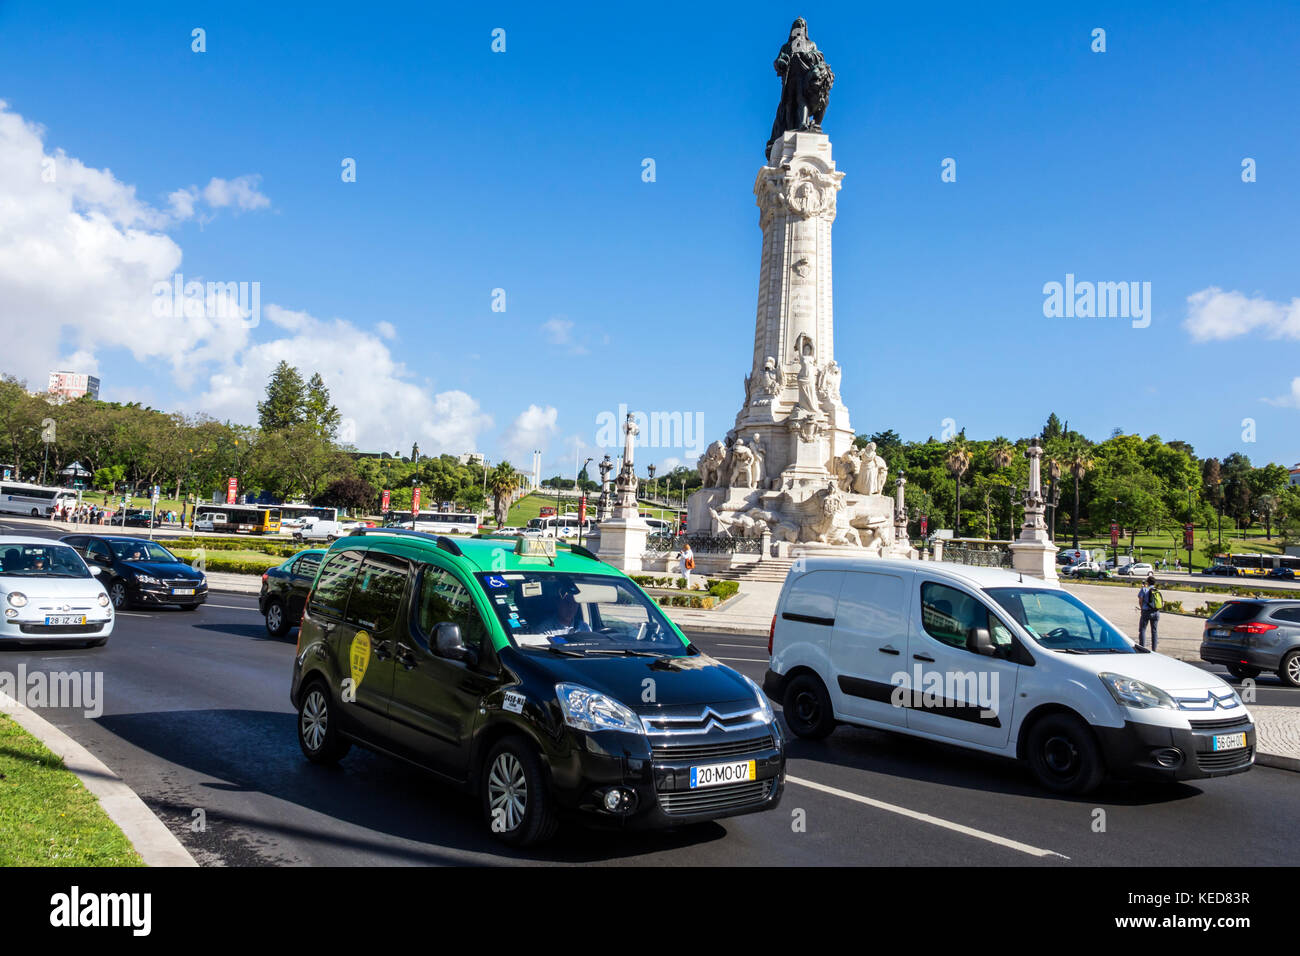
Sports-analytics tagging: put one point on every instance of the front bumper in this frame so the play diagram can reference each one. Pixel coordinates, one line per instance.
(158, 595)
(656, 782)
(1134, 750)
(33, 629)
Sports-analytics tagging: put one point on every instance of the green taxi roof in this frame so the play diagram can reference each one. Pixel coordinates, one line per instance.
(478, 554)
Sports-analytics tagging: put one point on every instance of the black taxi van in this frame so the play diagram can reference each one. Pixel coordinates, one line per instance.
(533, 674)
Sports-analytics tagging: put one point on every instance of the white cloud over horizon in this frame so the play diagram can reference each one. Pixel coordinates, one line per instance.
(1215, 316)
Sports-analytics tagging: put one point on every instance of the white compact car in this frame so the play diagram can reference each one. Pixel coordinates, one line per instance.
(999, 662)
(50, 595)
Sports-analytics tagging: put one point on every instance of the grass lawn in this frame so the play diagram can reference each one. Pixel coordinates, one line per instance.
(47, 818)
(216, 559)
(1153, 547)
(531, 505)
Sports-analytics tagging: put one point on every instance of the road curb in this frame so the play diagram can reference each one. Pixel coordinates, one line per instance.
(149, 836)
(1278, 762)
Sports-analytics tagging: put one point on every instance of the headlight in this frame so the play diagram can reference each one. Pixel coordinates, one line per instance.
(17, 598)
(586, 709)
(1129, 692)
(103, 600)
(147, 579)
(764, 708)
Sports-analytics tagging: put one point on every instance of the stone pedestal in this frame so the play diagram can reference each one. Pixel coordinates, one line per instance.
(622, 542)
(1034, 557)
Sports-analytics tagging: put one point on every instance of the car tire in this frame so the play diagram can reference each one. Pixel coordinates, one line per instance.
(117, 594)
(807, 707)
(517, 803)
(318, 731)
(277, 620)
(1064, 756)
(1289, 671)
(1243, 671)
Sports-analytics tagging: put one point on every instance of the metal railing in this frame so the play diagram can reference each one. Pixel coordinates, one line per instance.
(663, 542)
(978, 555)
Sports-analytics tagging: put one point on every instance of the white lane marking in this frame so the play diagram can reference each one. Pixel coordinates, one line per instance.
(232, 607)
(751, 660)
(927, 818)
(748, 647)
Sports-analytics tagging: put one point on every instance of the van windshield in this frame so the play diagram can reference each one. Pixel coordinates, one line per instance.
(1059, 621)
(582, 613)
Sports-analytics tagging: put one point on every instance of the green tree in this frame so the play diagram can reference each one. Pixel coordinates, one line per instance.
(318, 411)
(1079, 460)
(957, 461)
(503, 482)
(285, 403)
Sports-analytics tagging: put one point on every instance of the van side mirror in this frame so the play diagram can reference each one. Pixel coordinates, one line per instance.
(979, 641)
(448, 643)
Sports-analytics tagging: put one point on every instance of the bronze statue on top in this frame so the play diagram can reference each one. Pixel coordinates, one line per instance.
(805, 84)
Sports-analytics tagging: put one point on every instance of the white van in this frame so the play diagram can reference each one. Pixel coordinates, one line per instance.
(999, 662)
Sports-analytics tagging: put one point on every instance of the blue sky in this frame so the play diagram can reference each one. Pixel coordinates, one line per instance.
(522, 171)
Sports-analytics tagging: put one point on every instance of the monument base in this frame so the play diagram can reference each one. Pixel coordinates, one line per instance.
(622, 542)
(1036, 557)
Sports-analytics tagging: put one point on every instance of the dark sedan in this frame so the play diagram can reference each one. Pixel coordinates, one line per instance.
(140, 572)
(285, 589)
(1222, 570)
(135, 518)
(1282, 574)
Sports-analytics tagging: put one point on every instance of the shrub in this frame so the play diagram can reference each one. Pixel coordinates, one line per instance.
(724, 589)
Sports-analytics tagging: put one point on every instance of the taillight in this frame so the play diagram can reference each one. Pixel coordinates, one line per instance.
(1255, 628)
(771, 633)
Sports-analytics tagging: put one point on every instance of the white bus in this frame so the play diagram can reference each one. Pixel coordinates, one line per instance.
(435, 522)
(291, 516)
(39, 501)
(564, 526)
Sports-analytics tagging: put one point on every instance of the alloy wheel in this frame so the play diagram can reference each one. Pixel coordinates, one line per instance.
(315, 719)
(274, 617)
(508, 790)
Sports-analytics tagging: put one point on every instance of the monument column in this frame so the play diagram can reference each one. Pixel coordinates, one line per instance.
(1034, 552)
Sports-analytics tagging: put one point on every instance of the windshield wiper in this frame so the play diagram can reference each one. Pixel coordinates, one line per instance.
(566, 651)
(627, 651)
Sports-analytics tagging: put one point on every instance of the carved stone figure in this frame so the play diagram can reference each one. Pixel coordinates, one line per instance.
(760, 459)
(847, 467)
(871, 476)
(831, 525)
(771, 383)
(742, 465)
(808, 381)
(828, 382)
(806, 83)
(711, 463)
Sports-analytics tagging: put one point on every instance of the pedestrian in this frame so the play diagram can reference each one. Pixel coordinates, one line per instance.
(687, 563)
(1178, 565)
(1150, 601)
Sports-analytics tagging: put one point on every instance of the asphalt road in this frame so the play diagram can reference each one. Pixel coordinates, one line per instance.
(197, 718)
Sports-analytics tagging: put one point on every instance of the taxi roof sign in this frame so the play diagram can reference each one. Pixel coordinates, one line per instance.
(527, 547)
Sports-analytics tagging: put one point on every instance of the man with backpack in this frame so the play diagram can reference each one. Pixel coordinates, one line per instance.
(1150, 603)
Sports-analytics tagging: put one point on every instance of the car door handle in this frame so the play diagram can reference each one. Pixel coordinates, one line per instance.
(381, 652)
(923, 657)
(405, 657)
(888, 650)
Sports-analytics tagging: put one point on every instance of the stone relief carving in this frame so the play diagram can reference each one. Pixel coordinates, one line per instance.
(711, 463)
(828, 382)
(743, 466)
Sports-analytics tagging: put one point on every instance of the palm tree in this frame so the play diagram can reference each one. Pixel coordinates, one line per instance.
(957, 461)
(1078, 458)
(1003, 453)
(503, 482)
(1054, 473)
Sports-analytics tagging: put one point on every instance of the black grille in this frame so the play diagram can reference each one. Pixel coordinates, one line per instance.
(713, 799)
(61, 628)
(1225, 759)
(1223, 723)
(711, 748)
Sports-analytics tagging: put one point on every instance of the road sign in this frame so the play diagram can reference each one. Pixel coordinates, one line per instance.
(387, 497)
(415, 502)
(582, 510)
(1114, 533)
(232, 487)
(1189, 535)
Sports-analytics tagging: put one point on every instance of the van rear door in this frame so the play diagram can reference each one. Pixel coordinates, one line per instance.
(869, 645)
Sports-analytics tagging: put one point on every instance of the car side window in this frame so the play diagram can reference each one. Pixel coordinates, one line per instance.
(307, 565)
(949, 615)
(443, 599)
(1289, 614)
(377, 592)
(330, 596)
(98, 551)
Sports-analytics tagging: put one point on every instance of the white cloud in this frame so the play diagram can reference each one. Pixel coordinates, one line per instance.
(1291, 400)
(558, 331)
(241, 193)
(1214, 315)
(532, 428)
(386, 329)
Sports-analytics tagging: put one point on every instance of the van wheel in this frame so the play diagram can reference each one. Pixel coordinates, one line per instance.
(1290, 669)
(1243, 672)
(318, 731)
(277, 622)
(517, 800)
(807, 708)
(1064, 756)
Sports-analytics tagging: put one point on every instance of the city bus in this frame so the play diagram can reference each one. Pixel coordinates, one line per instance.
(1260, 563)
(237, 519)
(434, 522)
(564, 526)
(293, 515)
(38, 501)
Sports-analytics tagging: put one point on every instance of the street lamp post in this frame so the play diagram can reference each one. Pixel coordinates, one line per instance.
(581, 510)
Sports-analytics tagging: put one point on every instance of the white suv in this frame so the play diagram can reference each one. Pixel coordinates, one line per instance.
(998, 662)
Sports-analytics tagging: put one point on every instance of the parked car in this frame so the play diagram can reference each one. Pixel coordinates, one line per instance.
(285, 589)
(1139, 569)
(321, 529)
(1088, 569)
(50, 594)
(135, 518)
(997, 662)
(140, 572)
(1222, 570)
(1282, 574)
(520, 676)
(1252, 636)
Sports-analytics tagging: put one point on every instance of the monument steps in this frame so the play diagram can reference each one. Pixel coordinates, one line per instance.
(769, 569)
